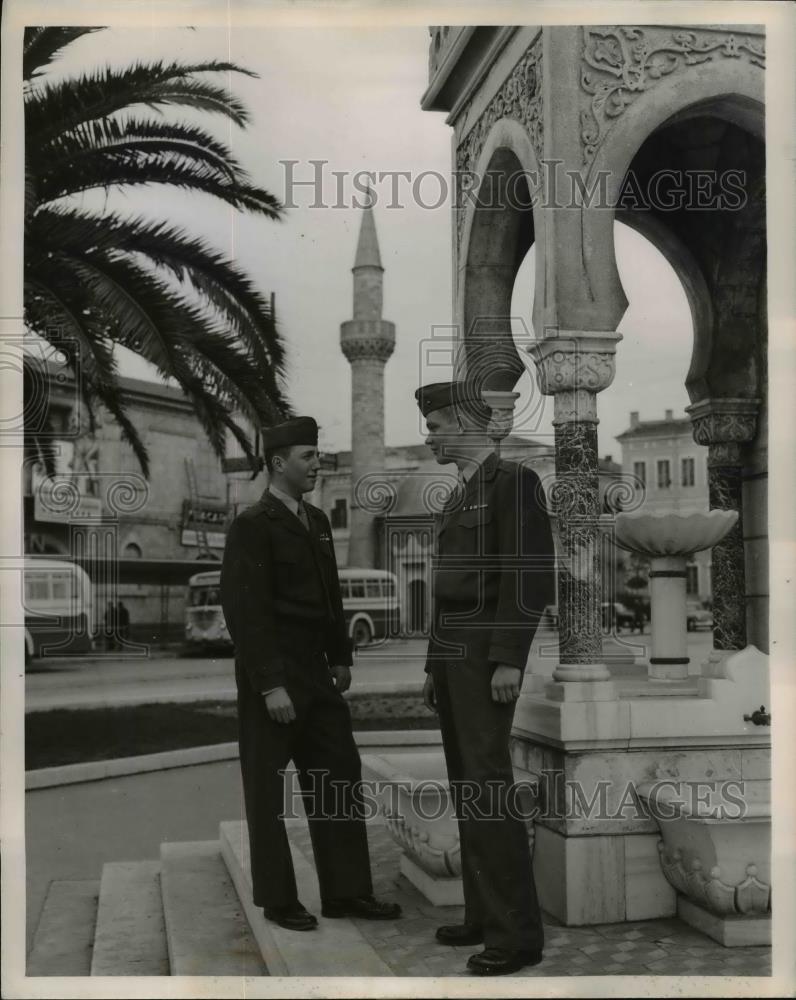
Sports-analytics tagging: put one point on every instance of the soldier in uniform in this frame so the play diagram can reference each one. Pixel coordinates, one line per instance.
(492, 578)
(281, 599)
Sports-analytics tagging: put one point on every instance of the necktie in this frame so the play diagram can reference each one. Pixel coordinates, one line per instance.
(302, 515)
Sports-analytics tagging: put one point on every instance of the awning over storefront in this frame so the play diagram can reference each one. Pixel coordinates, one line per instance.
(152, 571)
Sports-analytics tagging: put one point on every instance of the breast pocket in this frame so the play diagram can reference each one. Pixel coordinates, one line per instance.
(473, 531)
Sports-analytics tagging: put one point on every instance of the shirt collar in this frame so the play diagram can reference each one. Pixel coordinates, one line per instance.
(480, 459)
(290, 502)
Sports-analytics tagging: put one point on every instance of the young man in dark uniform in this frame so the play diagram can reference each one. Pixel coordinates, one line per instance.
(493, 576)
(282, 604)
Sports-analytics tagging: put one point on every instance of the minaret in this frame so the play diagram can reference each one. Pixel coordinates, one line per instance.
(367, 341)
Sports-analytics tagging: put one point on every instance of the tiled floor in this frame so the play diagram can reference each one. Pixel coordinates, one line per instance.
(649, 947)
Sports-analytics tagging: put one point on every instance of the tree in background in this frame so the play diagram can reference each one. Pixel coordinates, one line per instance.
(97, 279)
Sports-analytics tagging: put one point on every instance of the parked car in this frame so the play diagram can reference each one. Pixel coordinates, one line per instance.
(616, 615)
(697, 617)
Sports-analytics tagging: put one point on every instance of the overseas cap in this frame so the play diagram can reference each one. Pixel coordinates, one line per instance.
(462, 396)
(300, 430)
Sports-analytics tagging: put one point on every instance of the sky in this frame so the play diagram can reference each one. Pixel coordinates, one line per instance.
(351, 97)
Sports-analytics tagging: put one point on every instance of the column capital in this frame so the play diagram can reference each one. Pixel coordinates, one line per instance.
(724, 424)
(575, 360)
(502, 403)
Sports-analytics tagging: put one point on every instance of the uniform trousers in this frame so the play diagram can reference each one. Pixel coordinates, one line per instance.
(321, 744)
(499, 890)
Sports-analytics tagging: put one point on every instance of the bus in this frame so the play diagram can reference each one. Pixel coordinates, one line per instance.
(370, 604)
(58, 601)
(204, 619)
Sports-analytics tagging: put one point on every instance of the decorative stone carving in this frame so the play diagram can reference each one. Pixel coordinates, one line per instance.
(368, 348)
(420, 845)
(576, 367)
(520, 98)
(620, 62)
(723, 425)
(501, 420)
(750, 896)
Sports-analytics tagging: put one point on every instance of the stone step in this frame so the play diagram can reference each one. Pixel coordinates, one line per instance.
(130, 938)
(335, 948)
(206, 929)
(65, 934)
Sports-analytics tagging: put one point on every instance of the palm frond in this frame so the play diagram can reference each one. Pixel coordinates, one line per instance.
(219, 281)
(53, 108)
(175, 172)
(41, 45)
(109, 133)
(55, 309)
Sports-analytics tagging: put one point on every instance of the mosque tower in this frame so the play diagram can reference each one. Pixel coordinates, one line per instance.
(367, 341)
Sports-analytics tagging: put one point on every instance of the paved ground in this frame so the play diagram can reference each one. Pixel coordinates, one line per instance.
(63, 683)
(648, 947)
(73, 830)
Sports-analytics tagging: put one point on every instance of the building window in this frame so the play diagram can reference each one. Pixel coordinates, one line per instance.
(692, 579)
(339, 516)
(687, 472)
(640, 472)
(664, 474)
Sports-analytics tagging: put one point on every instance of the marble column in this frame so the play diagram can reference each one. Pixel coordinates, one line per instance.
(574, 368)
(724, 425)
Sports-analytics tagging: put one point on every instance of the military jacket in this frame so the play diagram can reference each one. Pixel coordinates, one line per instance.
(279, 580)
(493, 570)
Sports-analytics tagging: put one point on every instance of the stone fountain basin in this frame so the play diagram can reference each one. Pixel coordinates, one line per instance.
(668, 533)
(715, 846)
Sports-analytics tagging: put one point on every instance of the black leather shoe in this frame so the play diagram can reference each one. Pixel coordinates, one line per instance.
(501, 961)
(293, 917)
(366, 907)
(460, 934)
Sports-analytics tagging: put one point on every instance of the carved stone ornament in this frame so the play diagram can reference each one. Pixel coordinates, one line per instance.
(724, 421)
(620, 62)
(520, 98)
(440, 857)
(576, 366)
(368, 348)
(749, 897)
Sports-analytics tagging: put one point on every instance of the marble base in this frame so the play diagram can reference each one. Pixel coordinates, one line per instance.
(664, 672)
(600, 880)
(581, 691)
(732, 931)
(438, 891)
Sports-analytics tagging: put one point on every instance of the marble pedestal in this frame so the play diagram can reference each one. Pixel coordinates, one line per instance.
(597, 856)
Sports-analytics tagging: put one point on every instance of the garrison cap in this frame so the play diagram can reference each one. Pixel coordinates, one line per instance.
(299, 430)
(462, 396)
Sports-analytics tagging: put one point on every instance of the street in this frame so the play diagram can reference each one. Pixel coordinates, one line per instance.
(97, 683)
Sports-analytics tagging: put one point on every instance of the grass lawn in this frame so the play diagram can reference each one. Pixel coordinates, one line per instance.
(72, 736)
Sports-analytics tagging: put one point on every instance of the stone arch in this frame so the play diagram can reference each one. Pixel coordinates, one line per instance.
(692, 278)
(714, 89)
(498, 230)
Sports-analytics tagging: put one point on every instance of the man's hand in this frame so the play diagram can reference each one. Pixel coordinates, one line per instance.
(506, 683)
(429, 698)
(279, 706)
(341, 676)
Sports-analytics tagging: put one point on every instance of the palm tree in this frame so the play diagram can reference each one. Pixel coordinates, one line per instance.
(95, 280)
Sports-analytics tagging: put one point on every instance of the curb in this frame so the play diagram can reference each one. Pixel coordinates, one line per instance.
(119, 767)
(356, 692)
(131, 701)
